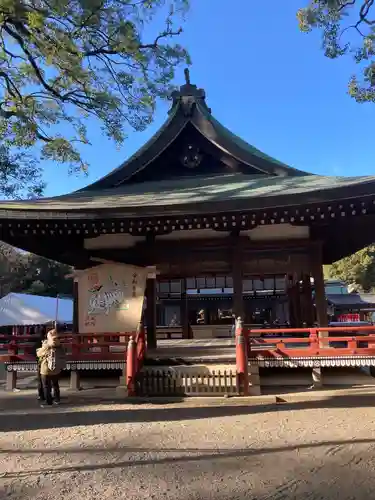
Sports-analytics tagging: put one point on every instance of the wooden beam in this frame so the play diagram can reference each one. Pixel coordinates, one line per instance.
(184, 313)
(75, 307)
(320, 296)
(151, 313)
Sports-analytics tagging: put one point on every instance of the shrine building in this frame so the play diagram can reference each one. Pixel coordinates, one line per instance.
(219, 219)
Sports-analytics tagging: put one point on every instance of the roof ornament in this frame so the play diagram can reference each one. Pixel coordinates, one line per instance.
(188, 95)
(191, 157)
(187, 76)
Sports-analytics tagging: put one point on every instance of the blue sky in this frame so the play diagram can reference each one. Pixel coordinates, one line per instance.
(265, 81)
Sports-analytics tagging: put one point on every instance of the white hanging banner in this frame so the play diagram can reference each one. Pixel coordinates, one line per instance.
(110, 298)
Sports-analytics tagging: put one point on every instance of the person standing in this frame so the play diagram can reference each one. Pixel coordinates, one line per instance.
(52, 361)
(40, 337)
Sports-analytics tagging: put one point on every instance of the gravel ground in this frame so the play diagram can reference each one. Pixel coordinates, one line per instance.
(219, 449)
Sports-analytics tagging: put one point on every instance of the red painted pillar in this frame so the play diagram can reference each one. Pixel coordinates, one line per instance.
(12, 346)
(314, 341)
(241, 358)
(131, 367)
(141, 346)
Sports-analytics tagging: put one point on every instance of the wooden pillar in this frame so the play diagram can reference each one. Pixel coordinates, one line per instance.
(75, 307)
(293, 296)
(297, 304)
(184, 314)
(237, 276)
(308, 298)
(289, 292)
(320, 295)
(151, 312)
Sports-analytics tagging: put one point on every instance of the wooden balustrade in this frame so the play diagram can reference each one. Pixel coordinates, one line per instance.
(293, 342)
(313, 343)
(79, 347)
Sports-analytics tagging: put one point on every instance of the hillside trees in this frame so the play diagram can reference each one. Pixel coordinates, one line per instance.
(357, 269)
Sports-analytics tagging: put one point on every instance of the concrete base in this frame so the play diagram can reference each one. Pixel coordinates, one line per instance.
(317, 378)
(11, 381)
(255, 390)
(254, 380)
(122, 379)
(75, 381)
(122, 390)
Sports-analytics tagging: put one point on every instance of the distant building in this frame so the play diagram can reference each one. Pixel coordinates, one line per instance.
(345, 306)
(335, 287)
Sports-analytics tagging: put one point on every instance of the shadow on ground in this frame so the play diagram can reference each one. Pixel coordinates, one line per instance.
(68, 416)
(322, 480)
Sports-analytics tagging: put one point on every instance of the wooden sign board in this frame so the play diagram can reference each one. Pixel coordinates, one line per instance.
(110, 298)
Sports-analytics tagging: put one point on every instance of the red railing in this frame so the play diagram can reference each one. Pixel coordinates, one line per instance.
(78, 347)
(316, 342)
(130, 347)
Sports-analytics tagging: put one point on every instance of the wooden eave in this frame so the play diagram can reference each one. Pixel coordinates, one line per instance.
(343, 227)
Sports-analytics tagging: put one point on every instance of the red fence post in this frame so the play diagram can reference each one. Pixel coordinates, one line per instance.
(141, 346)
(241, 358)
(131, 370)
(371, 343)
(248, 342)
(352, 344)
(13, 347)
(76, 347)
(314, 341)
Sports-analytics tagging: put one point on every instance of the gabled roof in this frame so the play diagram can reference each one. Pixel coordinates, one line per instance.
(189, 106)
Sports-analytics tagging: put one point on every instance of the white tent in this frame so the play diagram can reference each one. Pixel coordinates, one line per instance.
(24, 309)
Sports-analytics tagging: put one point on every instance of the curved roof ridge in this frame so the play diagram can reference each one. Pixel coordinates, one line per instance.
(189, 105)
(157, 141)
(246, 149)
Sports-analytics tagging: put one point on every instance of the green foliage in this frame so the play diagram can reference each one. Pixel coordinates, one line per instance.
(357, 269)
(327, 272)
(46, 277)
(348, 27)
(11, 263)
(21, 272)
(20, 177)
(64, 61)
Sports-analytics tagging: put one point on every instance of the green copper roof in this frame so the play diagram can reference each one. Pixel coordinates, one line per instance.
(197, 194)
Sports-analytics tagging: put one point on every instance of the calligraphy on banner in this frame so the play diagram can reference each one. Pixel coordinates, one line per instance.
(110, 298)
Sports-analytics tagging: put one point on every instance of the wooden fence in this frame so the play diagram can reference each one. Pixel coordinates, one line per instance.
(167, 383)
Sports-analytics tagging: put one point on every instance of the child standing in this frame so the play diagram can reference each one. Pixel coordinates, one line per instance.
(51, 358)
